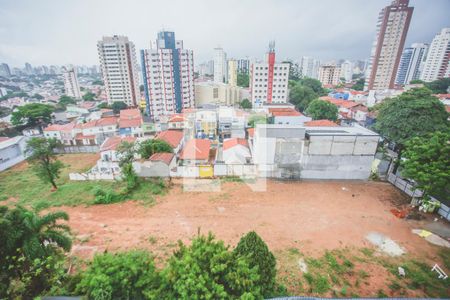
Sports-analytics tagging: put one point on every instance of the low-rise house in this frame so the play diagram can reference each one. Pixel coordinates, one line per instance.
(231, 123)
(349, 110)
(12, 151)
(288, 116)
(196, 152)
(206, 124)
(130, 123)
(321, 123)
(173, 137)
(177, 121)
(236, 151)
(109, 160)
(64, 133)
(158, 165)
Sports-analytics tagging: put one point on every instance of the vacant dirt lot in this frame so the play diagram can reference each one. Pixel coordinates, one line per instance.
(310, 216)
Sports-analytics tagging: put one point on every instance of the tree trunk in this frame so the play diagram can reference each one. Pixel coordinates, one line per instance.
(397, 161)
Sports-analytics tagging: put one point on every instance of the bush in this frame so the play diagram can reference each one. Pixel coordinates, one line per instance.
(128, 275)
(107, 196)
(259, 255)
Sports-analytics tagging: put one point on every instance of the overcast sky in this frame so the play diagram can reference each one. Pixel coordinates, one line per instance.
(66, 31)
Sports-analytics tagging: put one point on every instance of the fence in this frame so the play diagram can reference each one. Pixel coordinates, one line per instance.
(78, 149)
(218, 170)
(410, 190)
(90, 176)
(234, 170)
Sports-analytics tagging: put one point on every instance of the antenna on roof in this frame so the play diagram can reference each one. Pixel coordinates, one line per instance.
(271, 46)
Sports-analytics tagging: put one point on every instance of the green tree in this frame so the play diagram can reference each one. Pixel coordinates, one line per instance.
(207, 270)
(427, 162)
(32, 114)
(97, 82)
(41, 155)
(129, 275)
(439, 86)
(252, 247)
(359, 85)
(320, 109)
(242, 79)
(65, 100)
(31, 251)
(293, 70)
(245, 104)
(414, 113)
(103, 105)
(38, 96)
(314, 84)
(149, 147)
(256, 119)
(117, 106)
(89, 96)
(301, 96)
(126, 152)
(416, 81)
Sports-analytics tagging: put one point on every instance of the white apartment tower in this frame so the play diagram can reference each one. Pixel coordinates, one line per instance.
(411, 63)
(71, 86)
(269, 80)
(392, 28)
(347, 70)
(119, 69)
(168, 74)
(220, 65)
(329, 74)
(437, 63)
(309, 67)
(232, 72)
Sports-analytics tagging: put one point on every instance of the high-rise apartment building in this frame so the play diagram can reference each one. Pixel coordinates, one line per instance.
(347, 70)
(269, 80)
(309, 67)
(220, 65)
(232, 72)
(411, 63)
(71, 86)
(329, 74)
(168, 74)
(119, 69)
(4, 70)
(28, 69)
(392, 28)
(437, 63)
(243, 65)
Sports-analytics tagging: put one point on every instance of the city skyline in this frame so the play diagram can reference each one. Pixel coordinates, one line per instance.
(70, 36)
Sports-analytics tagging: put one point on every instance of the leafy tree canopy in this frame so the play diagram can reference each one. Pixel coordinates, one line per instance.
(149, 147)
(207, 270)
(245, 104)
(411, 114)
(320, 109)
(301, 96)
(427, 162)
(255, 249)
(32, 114)
(41, 154)
(242, 79)
(89, 96)
(117, 106)
(439, 86)
(65, 100)
(359, 85)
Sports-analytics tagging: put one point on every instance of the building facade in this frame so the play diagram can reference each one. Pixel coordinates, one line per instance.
(411, 63)
(329, 74)
(220, 65)
(168, 74)
(232, 72)
(437, 63)
(119, 69)
(392, 28)
(347, 71)
(243, 65)
(216, 93)
(309, 67)
(4, 70)
(71, 86)
(269, 80)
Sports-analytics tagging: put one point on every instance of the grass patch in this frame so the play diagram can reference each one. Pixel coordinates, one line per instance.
(231, 179)
(22, 184)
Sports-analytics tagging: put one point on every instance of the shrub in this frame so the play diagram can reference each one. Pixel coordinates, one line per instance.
(107, 196)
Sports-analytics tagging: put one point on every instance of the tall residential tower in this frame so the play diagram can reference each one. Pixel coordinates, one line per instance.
(437, 64)
(392, 28)
(220, 65)
(411, 63)
(119, 69)
(168, 73)
(71, 86)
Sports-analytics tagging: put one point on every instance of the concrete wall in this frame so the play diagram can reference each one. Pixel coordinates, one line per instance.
(335, 167)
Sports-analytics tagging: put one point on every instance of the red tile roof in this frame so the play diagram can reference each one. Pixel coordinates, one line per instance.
(177, 118)
(130, 118)
(164, 157)
(230, 143)
(284, 112)
(58, 127)
(196, 149)
(107, 121)
(321, 123)
(172, 137)
(111, 143)
(87, 104)
(80, 136)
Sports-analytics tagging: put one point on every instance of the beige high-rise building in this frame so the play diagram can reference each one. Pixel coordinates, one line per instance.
(71, 86)
(119, 69)
(392, 27)
(329, 74)
(232, 72)
(437, 64)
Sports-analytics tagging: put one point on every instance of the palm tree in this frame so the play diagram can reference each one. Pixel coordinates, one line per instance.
(36, 236)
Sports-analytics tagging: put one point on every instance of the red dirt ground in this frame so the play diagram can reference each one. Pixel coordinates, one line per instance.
(309, 215)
